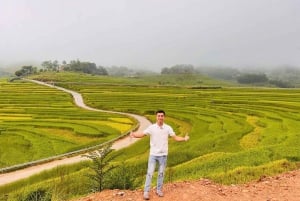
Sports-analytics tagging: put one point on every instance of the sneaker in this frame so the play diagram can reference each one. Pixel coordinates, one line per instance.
(146, 196)
(160, 193)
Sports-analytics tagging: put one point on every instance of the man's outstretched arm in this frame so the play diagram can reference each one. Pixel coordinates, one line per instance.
(181, 139)
(137, 134)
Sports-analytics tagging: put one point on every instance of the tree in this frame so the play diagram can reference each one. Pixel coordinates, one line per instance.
(224, 73)
(50, 65)
(252, 78)
(47, 65)
(101, 71)
(55, 65)
(26, 70)
(100, 166)
(85, 67)
(280, 83)
(120, 71)
(179, 69)
(74, 65)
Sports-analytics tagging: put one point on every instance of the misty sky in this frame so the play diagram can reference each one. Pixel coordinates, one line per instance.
(151, 33)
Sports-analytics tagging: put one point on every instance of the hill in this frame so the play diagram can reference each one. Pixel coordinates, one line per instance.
(237, 134)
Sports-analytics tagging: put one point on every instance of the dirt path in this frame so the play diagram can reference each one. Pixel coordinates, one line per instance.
(27, 172)
(284, 187)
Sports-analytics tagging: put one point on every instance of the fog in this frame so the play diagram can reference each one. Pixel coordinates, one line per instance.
(151, 34)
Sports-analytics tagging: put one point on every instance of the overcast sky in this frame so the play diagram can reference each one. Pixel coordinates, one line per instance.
(151, 33)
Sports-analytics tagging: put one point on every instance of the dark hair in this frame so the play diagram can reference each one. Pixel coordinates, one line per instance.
(160, 111)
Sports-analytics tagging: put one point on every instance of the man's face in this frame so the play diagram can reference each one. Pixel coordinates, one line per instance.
(160, 118)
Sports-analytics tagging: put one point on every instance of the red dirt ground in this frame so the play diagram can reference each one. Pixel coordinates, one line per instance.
(284, 187)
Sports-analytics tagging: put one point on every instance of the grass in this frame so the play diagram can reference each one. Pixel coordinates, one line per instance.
(39, 122)
(236, 134)
(61, 183)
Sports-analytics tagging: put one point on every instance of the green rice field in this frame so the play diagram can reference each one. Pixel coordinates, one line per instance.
(237, 134)
(38, 122)
(232, 120)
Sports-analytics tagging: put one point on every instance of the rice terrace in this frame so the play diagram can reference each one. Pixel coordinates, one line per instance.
(237, 133)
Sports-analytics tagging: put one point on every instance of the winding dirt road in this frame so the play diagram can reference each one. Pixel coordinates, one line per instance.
(27, 172)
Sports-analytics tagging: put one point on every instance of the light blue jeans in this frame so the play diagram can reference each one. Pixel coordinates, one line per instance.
(162, 161)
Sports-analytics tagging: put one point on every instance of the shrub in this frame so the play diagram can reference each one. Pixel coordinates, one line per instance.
(100, 167)
(121, 178)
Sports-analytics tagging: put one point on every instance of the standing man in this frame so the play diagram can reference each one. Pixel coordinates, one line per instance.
(159, 133)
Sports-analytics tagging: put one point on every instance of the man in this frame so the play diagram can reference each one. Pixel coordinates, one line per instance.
(159, 133)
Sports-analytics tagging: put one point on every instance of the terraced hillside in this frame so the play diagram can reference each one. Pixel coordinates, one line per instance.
(38, 122)
(237, 134)
(248, 130)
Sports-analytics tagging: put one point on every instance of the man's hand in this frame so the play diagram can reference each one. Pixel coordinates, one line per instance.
(186, 137)
(132, 135)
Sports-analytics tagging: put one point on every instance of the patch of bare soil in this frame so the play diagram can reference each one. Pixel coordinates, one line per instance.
(284, 187)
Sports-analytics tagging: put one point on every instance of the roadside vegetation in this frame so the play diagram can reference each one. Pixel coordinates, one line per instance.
(237, 134)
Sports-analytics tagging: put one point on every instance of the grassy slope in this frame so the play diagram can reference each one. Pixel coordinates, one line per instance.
(237, 134)
(38, 122)
(221, 115)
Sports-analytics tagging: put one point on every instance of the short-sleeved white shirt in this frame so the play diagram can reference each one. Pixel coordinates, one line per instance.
(159, 138)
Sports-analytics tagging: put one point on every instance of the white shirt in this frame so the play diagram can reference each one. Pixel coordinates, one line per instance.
(159, 138)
